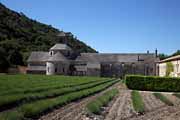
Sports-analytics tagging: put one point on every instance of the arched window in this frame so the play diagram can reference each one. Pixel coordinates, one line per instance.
(122, 64)
(133, 68)
(48, 69)
(51, 53)
(146, 69)
(68, 53)
(55, 70)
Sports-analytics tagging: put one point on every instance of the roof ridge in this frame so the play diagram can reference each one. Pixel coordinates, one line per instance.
(57, 57)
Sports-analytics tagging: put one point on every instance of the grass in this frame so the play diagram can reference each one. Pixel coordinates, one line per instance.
(30, 98)
(96, 105)
(137, 101)
(163, 99)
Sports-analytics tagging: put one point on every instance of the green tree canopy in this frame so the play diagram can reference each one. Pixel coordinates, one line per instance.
(4, 64)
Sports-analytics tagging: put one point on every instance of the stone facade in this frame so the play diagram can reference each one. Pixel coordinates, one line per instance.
(59, 61)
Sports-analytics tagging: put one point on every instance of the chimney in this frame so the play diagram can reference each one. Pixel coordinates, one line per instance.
(156, 52)
(138, 58)
(147, 51)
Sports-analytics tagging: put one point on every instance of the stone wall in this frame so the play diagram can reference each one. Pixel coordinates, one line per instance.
(121, 69)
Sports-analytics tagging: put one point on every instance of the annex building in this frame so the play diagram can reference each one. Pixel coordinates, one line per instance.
(58, 60)
(163, 66)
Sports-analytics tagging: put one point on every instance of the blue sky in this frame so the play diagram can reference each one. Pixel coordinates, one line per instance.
(111, 25)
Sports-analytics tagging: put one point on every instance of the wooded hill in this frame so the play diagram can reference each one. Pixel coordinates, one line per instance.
(19, 35)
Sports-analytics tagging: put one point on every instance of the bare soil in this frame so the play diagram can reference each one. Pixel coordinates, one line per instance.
(172, 98)
(120, 108)
(73, 111)
(156, 110)
(151, 102)
(164, 113)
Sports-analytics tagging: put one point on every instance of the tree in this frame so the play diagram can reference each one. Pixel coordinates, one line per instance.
(169, 68)
(15, 58)
(21, 35)
(4, 64)
(162, 56)
(176, 53)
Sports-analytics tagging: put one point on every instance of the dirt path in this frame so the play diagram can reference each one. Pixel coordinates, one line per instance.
(173, 116)
(159, 114)
(74, 110)
(150, 102)
(122, 107)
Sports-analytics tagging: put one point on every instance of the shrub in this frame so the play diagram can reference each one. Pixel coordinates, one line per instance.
(169, 68)
(137, 102)
(163, 99)
(153, 83)
(95, 105)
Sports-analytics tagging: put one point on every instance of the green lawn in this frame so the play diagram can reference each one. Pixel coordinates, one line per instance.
(29, 96)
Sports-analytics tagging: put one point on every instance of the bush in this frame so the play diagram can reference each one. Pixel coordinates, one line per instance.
(96, 105)
(153, 83)
(137, 102)
(163, 99)
(169, 68)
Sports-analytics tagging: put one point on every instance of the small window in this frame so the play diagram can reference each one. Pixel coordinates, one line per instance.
(55, 70)
(51, 53)
(48, 69)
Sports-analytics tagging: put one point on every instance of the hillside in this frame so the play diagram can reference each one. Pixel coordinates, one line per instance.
(19, 35)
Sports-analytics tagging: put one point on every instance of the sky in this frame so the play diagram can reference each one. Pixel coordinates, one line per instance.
(111, 26)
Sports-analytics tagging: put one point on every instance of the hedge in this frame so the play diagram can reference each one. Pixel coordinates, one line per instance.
(153, 83)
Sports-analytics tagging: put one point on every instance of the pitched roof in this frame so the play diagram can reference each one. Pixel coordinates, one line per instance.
(177, 57)
(38, 57)
(57, 57)
(108, 57)
(61, 34)
(60, 47)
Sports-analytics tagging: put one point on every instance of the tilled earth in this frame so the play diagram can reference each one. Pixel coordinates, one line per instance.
(75, 110)
(120, 108)
(156, 110)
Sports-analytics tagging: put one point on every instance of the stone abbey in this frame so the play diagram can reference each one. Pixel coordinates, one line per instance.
(61, 60)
